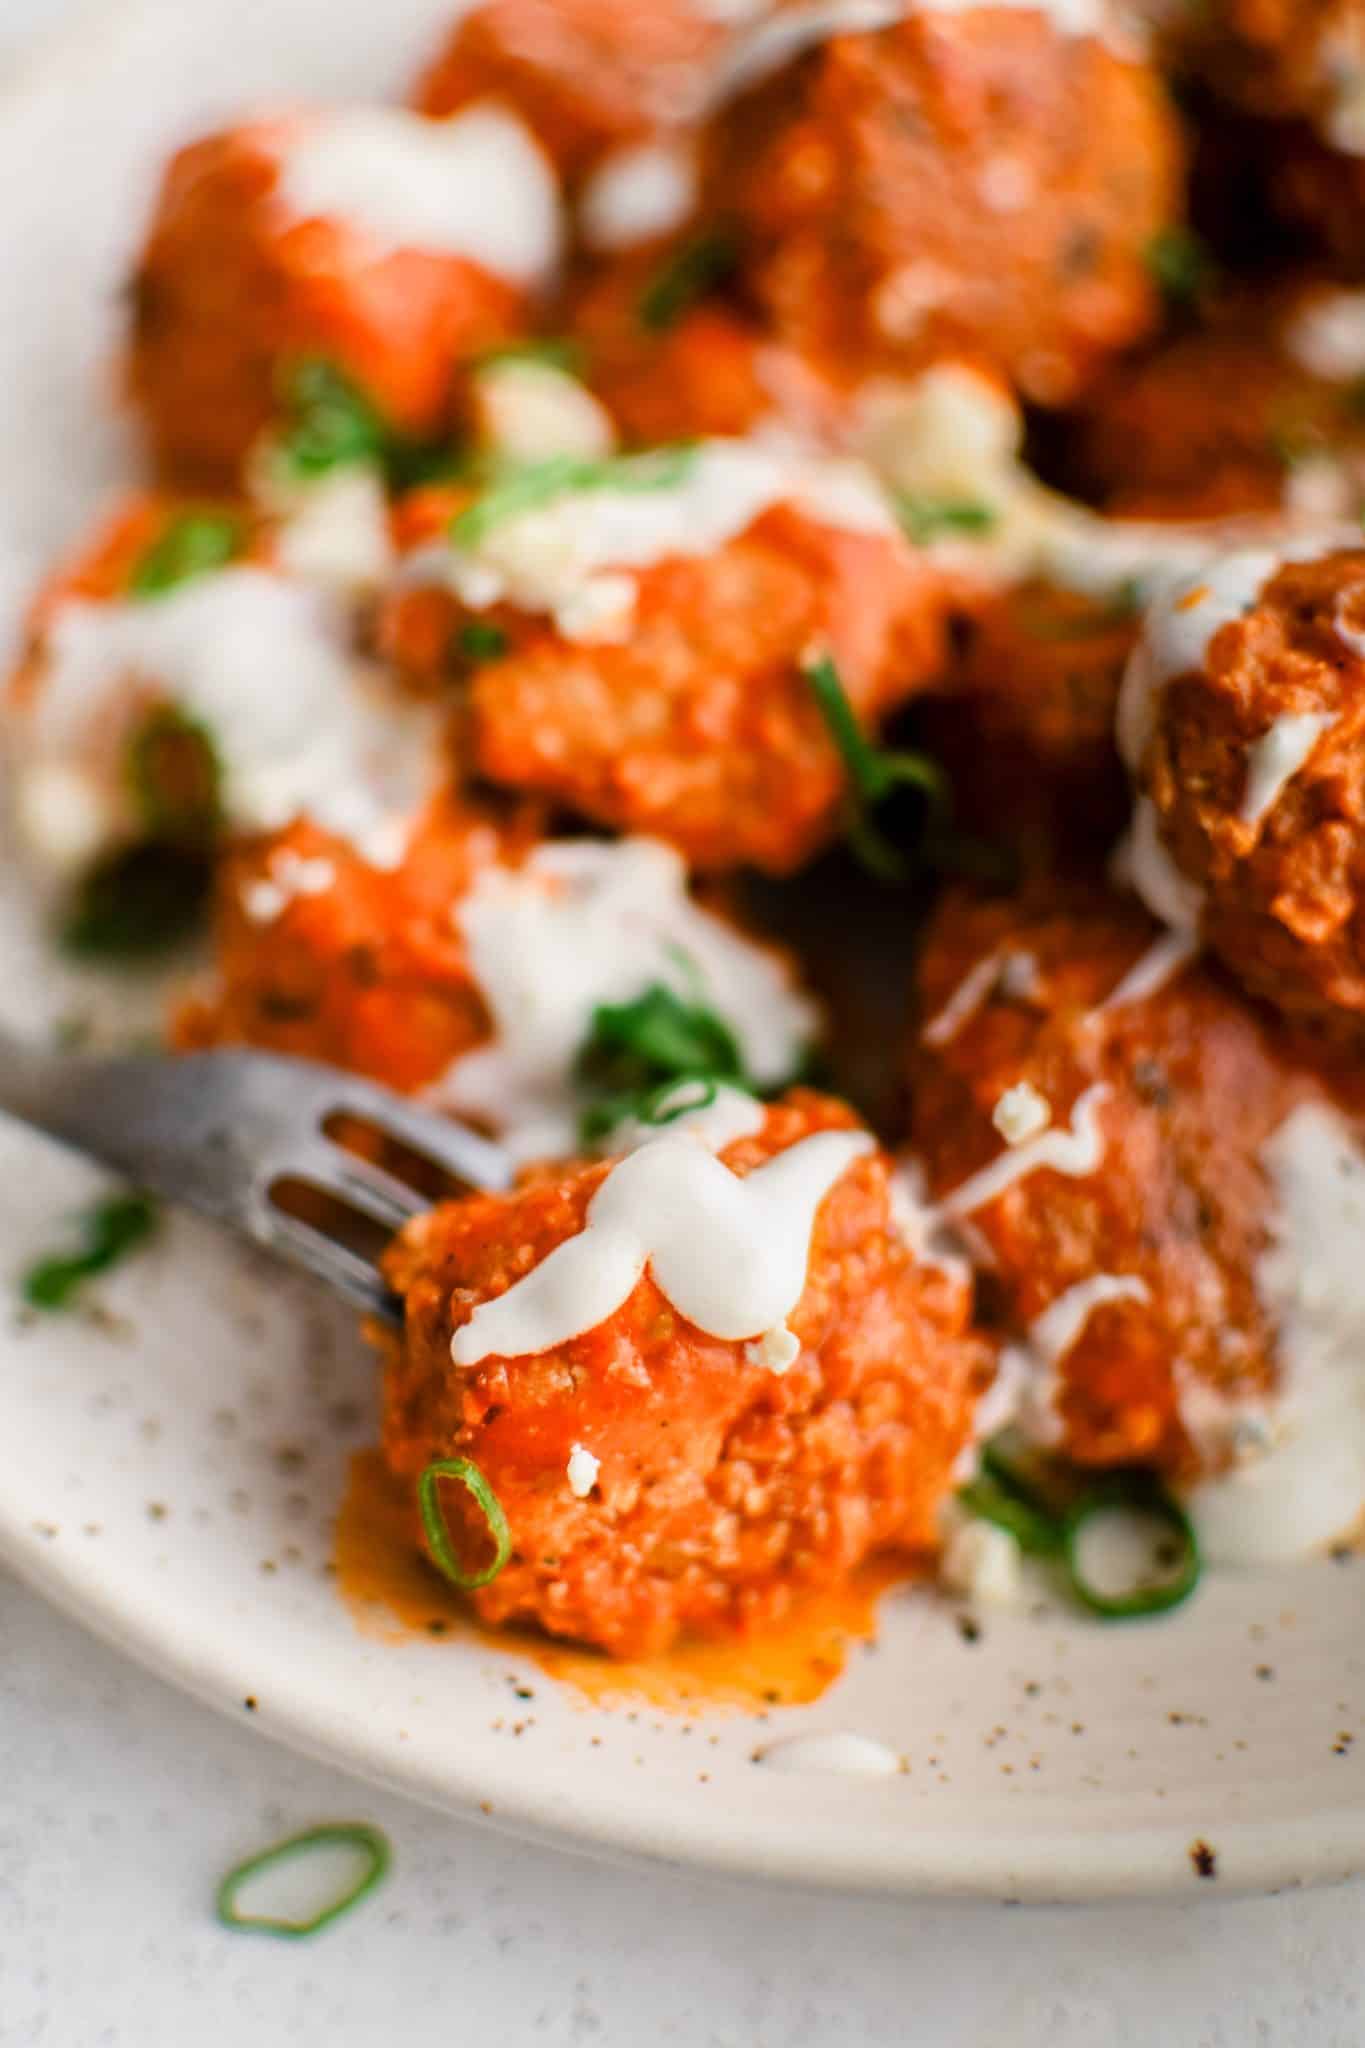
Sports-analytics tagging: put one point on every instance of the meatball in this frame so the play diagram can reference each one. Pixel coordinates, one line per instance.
(670, 374)
(974, 184)
(361, 237)
(180, 683)
(584, 87)
(657, 1477)
(475, 967)
(1280, 59)
(1242, 720)
(651, 640)
(1026, 727)
(1254, 412)
(1109, 1123)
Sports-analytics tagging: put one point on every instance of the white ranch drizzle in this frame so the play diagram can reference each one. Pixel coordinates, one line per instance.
(289, 876)
(729, 1253)
(1058, 1329)
(1021, 1113)
(713, 1113)
(790, 31)
(1276, 758)
(332, 529)
(551, 559)
(964, 1002)
(1075, 1151)
(585, 922)
(527, 411)
(264, 666)
(477, 185)
(1308, 1486)
(1163, 960)
(837, 1751)
(638, 194)
(1326, 336)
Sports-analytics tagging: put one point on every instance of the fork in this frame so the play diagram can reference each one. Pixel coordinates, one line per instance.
(227, 1133)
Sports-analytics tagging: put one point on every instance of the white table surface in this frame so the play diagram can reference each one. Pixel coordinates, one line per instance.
(121, 1804)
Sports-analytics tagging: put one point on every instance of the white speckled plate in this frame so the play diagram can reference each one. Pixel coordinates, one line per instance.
(169, 1470)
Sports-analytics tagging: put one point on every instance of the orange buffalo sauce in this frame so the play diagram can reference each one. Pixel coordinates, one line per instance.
(394, 1593)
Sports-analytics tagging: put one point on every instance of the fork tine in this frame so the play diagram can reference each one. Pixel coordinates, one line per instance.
(343, 1270)
(460, 1151)
(378, 1195)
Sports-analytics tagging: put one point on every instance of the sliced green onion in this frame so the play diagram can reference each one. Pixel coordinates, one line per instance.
(373, 1845)
(481, 640)
(989, 1501)
(525, 487)
(926, 519)
(137, 903)
(873, 774)
(562, 354)
(1047, 1504)
(443, 1551)
(636, 1053)
(696, 269)
(110, 1231)
(329, 422)
(191, 544)
(1142, 1494)
(169, 749)
(1179, 263)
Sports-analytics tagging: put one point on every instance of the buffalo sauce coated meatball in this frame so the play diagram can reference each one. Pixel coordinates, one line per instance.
(321, 954)
(472, 965)
(1026, 728)
(668, 694)
(356, 236)
(973, 183)
(1104, 1118)
(586, 79)
(1254, 412)
(1243, 721)
(667, 373)
(657, 1479)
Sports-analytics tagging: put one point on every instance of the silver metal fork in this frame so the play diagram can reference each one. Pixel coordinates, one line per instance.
(227, 1133)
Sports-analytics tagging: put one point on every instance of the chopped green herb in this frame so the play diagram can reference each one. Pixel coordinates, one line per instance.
(137, 903)
(481, 640)
(562, 354)
(192, 544)
(376, 1860)
(525, 487)
(696, 269)
(637, 1052)
(1179, 263)
(926, 519)
(110, 1230)
(329, 422)
(873, 774)
(176, 778)
(467, 1474)
(1047, 1505)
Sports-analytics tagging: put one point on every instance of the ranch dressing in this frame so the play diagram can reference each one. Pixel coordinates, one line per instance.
(1306, 1486)
(729, 1253)
(298, 726)
(476, 185)
(586, 922)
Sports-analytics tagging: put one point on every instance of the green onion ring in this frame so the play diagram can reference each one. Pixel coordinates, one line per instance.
(989, 1500)
(438, 1534)
(1138, 1493)
(344, 1834)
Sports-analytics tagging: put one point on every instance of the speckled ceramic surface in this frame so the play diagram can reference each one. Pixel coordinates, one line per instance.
(170, 1464)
